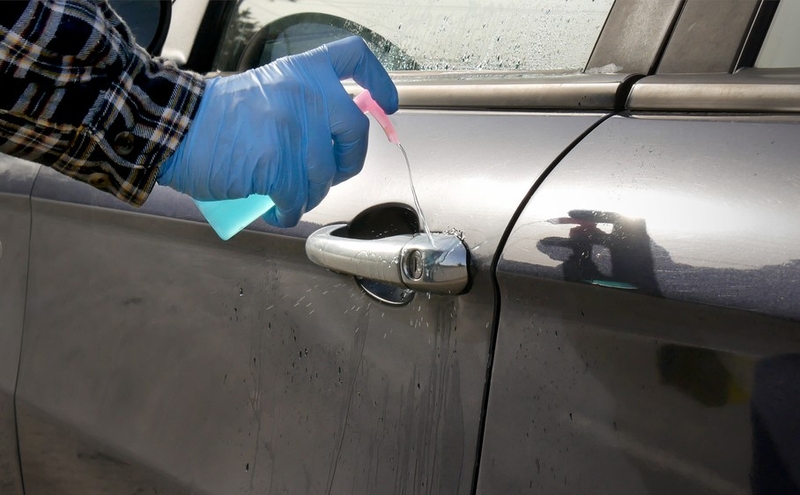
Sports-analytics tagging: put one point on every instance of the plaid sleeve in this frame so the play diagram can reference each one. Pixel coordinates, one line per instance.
(80, 96)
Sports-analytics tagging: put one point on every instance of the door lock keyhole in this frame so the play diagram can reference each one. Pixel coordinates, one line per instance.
(414, 265)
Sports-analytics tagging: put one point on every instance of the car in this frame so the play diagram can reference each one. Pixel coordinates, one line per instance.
(618, 183)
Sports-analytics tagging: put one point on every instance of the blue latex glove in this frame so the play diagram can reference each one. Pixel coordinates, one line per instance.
(288, 130)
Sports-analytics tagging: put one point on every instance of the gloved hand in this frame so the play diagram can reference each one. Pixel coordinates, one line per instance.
(288, 130)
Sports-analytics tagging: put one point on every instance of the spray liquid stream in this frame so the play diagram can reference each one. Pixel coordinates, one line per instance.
(414, 194)
(368, 105)
(229, 217)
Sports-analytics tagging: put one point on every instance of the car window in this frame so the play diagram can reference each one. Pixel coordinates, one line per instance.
(145, 19)
(783, 38)
(433, 35)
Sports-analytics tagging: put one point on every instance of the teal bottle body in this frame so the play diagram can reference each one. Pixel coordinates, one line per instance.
(228, 217)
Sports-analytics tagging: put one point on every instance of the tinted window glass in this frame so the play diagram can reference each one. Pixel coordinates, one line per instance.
(144, 18)
(438, 35)
(780, 48)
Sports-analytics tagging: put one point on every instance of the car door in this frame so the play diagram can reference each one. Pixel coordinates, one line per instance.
(16, 181)
(648, 333)
(158, 358)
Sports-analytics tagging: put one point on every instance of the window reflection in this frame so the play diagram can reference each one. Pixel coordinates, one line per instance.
(459, 35)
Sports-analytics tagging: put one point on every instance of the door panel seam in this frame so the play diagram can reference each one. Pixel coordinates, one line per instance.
(496, 290)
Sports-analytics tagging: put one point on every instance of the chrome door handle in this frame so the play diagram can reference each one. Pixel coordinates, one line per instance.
(407, 261)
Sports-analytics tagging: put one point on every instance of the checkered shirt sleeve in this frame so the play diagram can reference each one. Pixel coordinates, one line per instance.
(77, 94)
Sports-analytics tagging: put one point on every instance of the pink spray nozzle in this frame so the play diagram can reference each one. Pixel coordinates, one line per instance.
(366, 104)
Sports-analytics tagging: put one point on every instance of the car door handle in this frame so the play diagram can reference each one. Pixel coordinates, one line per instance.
(407, 260)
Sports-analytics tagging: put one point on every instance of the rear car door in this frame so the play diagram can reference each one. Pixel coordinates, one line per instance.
(648, 336)
(158, 358)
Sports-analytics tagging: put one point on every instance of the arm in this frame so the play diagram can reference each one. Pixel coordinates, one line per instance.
(105, 113)
(81, 97)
